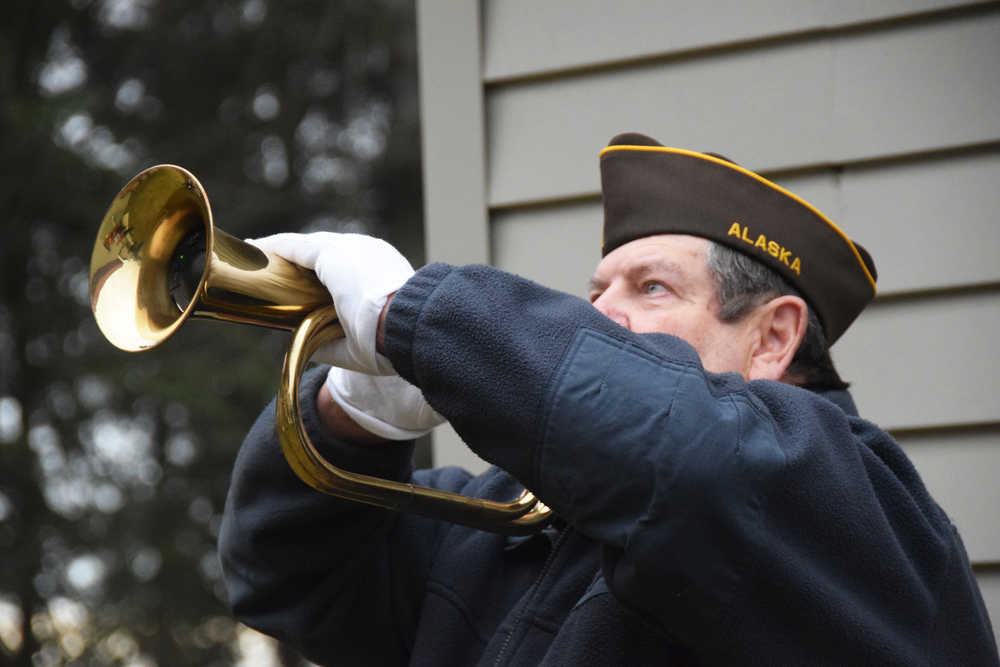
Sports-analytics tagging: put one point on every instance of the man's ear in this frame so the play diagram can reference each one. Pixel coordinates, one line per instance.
(780, 327)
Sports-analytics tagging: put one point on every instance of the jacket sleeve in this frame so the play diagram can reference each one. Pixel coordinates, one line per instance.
(339, 581)
(751, 521)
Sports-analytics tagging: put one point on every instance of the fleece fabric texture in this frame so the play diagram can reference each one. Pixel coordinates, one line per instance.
(702, 519)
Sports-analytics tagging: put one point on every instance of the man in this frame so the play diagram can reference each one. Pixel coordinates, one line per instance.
(718, 501)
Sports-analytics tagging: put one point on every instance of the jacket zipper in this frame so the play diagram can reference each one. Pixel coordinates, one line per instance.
(531, 598)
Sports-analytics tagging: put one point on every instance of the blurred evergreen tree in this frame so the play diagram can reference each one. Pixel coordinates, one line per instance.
(114, 467)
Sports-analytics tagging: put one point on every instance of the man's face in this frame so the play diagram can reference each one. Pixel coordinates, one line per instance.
(662, 284)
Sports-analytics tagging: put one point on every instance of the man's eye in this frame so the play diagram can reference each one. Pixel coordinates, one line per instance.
(653, 287)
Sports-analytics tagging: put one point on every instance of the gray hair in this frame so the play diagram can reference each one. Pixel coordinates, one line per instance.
(742, 284)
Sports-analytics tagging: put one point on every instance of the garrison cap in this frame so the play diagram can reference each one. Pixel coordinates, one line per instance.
(651, 189)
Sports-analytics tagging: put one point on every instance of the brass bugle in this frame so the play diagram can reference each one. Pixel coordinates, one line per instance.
(159, 260)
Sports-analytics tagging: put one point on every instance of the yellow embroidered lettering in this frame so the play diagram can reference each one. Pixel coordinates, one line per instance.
(772, 248)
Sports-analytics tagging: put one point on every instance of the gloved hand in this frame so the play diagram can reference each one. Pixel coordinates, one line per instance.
(386, 405)
(360, 272)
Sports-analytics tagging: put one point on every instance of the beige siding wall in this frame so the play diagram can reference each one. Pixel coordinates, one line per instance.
(885, 115)
(833, 99)
(527, 37)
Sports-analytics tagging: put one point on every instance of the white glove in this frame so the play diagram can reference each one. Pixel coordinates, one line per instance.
(360, 272)
(386, 405)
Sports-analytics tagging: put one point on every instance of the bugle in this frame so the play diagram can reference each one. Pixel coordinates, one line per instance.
(159, 260)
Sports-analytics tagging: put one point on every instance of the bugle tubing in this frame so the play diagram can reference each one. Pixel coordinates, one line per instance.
(159, 260)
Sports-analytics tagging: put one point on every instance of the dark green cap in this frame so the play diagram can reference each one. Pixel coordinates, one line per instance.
(652, 189)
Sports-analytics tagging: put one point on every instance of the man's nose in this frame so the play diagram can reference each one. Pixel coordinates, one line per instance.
(611, 308)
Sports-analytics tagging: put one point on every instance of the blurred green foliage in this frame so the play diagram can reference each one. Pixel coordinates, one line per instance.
(114, 467)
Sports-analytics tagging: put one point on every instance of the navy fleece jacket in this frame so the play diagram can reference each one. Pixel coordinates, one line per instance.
(703, 519)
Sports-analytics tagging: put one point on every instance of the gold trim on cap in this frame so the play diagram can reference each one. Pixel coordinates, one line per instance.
(747, 172)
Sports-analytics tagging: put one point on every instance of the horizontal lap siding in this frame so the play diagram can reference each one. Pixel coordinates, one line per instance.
(558, 246)
(862, 95)
(926, 362)
(527, 37)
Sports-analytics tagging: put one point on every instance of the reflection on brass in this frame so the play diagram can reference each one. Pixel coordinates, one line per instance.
(159, 259)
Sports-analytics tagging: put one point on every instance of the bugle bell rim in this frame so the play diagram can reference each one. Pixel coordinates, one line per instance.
(134, 243)
(159, 259)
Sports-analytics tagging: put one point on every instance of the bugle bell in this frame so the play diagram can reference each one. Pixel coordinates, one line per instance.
(159, 260)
